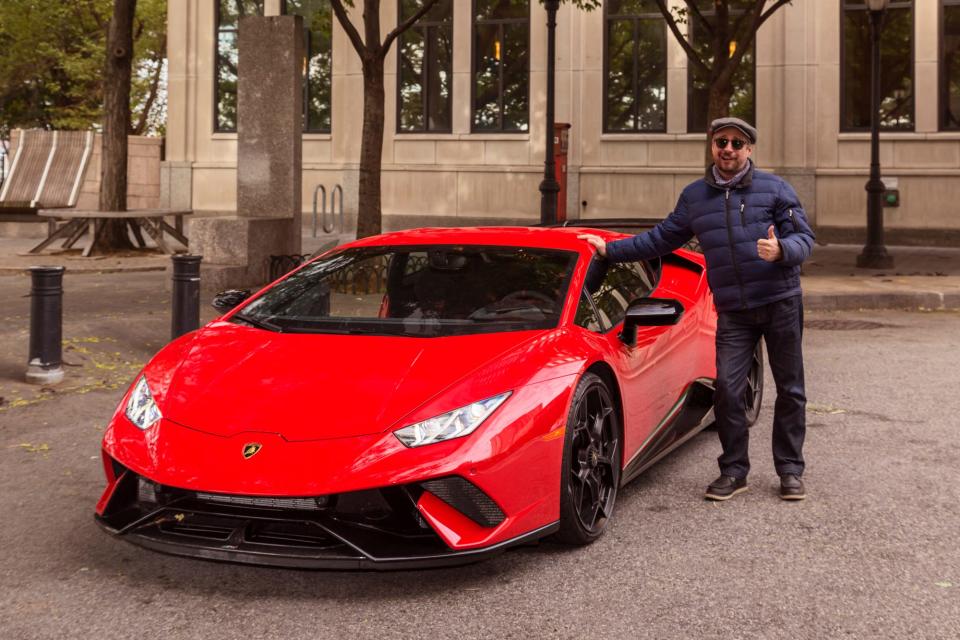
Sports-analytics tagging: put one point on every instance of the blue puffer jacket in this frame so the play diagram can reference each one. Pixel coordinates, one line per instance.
(728, 222)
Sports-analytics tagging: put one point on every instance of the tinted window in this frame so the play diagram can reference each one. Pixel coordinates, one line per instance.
(318, 66)
(229, 13)
(636, 67)
(425, 68)
(622, 284)
(419, 291)
(950, 65)
(896, 66)
(586, 316)
(501, 65)
(743, 84)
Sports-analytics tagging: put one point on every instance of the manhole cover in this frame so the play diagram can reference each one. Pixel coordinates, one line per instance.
(843, 325)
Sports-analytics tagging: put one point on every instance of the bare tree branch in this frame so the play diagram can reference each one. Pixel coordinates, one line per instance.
(692, 54)
(406, 24)
(351, 30)
(142, 120)
(769, 12)
(695, 10)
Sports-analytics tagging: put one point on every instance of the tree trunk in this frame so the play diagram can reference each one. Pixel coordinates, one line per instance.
(718, 106)
(371, 149)
(116, 122)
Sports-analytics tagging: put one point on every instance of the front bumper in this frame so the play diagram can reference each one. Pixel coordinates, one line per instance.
(372, 529)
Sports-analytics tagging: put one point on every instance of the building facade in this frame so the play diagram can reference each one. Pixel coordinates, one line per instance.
(464, 128)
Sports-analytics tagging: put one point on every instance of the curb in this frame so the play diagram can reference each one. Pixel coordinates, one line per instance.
(931, 300)
(24, 271)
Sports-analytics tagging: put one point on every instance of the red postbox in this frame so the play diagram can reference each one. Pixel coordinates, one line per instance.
(561, 136)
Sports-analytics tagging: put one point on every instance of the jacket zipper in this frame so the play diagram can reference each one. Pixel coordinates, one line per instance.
(796, 225)
(733, 254)
(743, 217)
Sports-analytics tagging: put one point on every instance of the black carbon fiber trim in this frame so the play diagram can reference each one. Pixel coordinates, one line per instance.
(465, 497)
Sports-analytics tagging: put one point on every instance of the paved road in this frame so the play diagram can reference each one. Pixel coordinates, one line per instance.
(873, 553)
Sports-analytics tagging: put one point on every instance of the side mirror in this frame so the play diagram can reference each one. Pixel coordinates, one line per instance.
(229, 299)
(649, 312)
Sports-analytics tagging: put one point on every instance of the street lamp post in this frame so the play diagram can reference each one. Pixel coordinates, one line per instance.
(874, 255)
(549, 187)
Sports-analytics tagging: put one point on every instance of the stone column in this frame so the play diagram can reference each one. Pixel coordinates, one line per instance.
(236, 249)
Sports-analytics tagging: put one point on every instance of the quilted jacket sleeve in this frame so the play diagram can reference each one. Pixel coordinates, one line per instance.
(794, 232)
(670, 234)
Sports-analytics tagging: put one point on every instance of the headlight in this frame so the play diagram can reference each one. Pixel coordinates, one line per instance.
(453, 424)
(141, 409)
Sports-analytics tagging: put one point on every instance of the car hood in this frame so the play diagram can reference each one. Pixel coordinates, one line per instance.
(234, 379)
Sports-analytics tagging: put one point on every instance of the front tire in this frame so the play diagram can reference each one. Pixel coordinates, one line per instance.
(590, 471)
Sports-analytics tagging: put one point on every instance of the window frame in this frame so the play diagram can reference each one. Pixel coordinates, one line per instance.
(424, 76)
(634, 19)
(216, 62)
(690, 72)
(306, 80)
(913, 68)
(943, 93)
(473, 71)
(653, 268)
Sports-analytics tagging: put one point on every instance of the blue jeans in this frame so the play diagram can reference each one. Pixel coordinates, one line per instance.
(781, 326)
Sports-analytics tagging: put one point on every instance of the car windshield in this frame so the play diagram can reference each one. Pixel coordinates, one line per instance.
(425, 291)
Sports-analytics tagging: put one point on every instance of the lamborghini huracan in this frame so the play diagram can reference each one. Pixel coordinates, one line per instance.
(419, 398)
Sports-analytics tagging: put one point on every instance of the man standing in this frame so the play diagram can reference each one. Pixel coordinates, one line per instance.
(754, 236)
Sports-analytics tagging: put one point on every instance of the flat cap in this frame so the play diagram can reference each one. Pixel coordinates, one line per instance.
(736, 123)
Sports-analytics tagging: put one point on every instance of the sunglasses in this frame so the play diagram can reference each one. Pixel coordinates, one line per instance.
(736, 143)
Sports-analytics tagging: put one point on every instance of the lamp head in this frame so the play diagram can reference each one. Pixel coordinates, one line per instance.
(877, 5)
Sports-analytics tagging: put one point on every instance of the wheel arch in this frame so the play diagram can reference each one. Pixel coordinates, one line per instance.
(605, 371)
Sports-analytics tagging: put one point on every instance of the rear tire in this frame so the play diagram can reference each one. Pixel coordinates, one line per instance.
(590, 470)
(753, 395)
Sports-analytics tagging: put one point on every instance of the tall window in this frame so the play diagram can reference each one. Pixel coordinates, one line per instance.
(425, 69)
(501, 65)
(896, 67)
(635, 61)
(229, 13)
(318, 61)
(743, 98)
(950, 65)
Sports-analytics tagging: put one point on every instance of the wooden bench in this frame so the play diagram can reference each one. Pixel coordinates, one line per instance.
(46, 172)
(80, 222)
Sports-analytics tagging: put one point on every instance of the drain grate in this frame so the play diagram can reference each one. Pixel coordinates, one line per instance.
(844, 325)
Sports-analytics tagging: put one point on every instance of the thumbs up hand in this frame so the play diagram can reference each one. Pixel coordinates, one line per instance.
(769, 248)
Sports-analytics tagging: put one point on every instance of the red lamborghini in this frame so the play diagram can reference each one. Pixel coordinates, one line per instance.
(414, 399)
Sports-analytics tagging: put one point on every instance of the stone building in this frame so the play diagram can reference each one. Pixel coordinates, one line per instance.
(464, 130)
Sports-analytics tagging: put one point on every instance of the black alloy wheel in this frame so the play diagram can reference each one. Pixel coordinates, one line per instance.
(590, 472)
(753, 395)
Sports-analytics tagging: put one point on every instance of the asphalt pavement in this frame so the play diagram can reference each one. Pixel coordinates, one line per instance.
(871, 554)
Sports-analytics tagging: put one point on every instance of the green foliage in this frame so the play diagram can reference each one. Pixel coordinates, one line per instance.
(51, 62)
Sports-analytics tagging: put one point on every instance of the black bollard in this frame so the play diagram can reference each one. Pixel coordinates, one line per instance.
(186, 295)
(44, 364)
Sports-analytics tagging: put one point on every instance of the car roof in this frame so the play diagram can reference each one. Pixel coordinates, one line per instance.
(564, 238)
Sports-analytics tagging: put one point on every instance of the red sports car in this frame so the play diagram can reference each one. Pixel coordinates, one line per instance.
(419, 398)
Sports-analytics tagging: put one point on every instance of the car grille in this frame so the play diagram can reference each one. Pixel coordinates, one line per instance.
(465, 497)
(298, 504)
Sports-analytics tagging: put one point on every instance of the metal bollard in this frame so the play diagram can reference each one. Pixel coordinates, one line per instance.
(186, 295)
(44, 363)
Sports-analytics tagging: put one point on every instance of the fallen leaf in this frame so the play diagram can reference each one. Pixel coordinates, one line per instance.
(35, 448)
(944, 584)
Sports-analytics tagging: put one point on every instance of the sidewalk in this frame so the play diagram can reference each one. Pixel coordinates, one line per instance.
(923, 277)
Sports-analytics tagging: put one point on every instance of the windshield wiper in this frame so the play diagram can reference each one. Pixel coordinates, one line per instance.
(258, 323)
